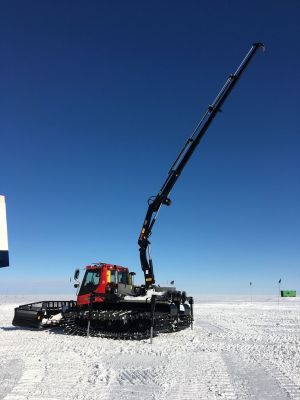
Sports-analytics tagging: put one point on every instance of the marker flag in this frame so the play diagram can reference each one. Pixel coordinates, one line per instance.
(4, 259)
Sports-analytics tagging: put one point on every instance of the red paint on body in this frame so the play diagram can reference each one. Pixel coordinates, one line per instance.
(103, 268)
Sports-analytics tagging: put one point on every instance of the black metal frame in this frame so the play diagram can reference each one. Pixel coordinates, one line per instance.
(32, 314)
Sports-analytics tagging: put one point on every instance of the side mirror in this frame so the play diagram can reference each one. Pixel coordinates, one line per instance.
(76, 285)
(76, 274)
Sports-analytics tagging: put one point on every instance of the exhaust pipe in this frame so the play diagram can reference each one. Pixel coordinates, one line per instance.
(4, 258)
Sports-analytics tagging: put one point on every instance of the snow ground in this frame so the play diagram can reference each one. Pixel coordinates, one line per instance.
(237, 350)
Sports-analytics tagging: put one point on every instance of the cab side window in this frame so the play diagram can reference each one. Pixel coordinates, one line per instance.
(113, 276)
(122, 277)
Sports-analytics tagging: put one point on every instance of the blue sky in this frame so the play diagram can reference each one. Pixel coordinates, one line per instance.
(97, 99)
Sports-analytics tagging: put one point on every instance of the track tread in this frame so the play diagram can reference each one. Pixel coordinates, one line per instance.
(121, 324)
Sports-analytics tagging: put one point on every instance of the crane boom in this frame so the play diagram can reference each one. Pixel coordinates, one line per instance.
(155, 203)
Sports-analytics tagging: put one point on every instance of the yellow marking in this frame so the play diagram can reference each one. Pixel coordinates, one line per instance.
(148, 279)
(108, 276)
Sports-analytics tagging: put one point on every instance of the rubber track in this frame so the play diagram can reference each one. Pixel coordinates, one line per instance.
(124, 324)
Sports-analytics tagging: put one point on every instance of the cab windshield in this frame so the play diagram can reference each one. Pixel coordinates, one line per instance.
(90, 282)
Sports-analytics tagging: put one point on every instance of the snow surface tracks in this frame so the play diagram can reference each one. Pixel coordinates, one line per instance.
(237, 351)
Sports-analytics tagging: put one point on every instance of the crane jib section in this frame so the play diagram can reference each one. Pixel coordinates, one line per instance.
(162, 198)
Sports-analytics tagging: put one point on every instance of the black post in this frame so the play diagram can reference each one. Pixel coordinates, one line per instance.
(191, 302)
(92, 298)
(153, 302)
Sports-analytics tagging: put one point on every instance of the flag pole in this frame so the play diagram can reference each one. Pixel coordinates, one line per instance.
(279, 290)
(251, 291)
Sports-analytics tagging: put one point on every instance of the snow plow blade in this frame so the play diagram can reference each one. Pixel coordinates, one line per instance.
(30, 318)
(33, 315)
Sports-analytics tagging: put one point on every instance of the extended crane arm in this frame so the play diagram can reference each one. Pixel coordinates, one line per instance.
(155, 203)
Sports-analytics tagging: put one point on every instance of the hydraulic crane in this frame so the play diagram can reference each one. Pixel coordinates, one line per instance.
(162, 197)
